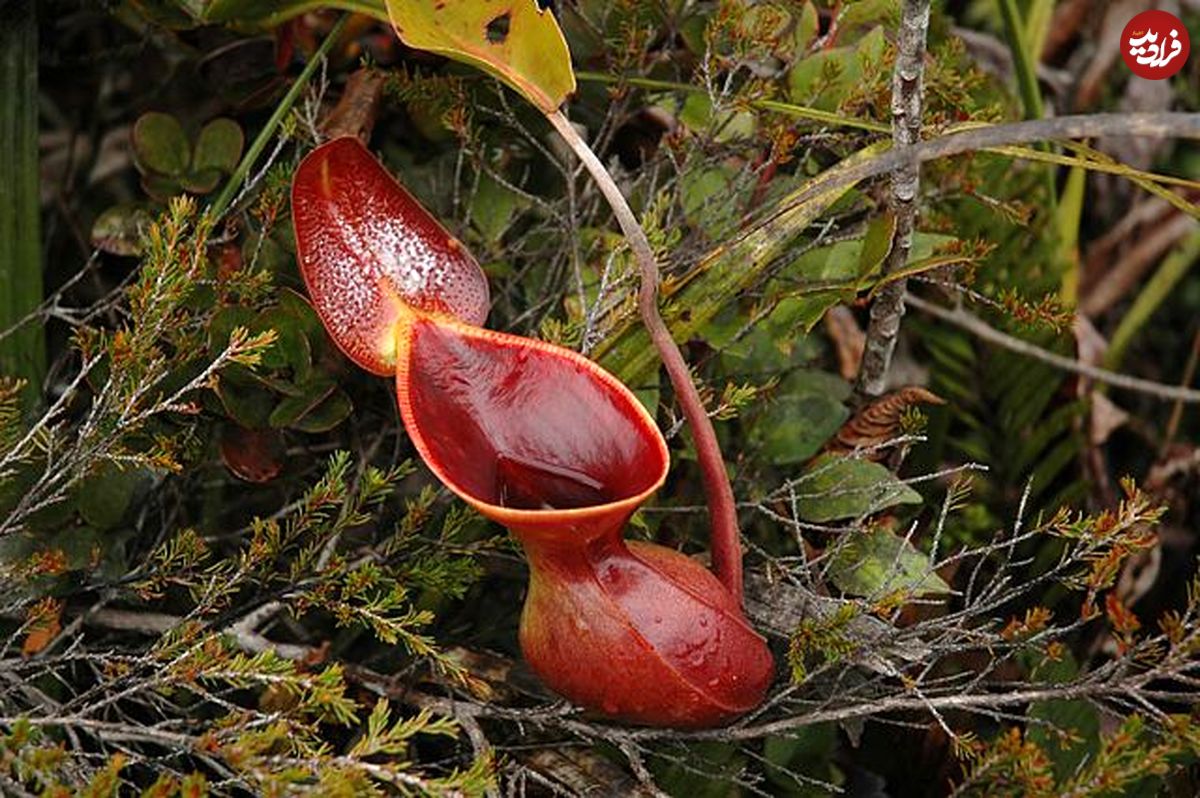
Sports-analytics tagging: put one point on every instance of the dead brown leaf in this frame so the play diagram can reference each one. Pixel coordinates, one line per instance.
(1106, 417)
(583, 772)
(354, 115)
(879, 422)
(848, 340)
(1123, 275)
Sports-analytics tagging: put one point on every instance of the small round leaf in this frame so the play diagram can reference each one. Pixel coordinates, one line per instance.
(219, 146)
(160, 145)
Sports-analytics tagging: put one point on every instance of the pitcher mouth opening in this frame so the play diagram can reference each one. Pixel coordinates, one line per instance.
(523, 430)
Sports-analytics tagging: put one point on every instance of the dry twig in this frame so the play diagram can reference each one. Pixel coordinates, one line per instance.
(978, 327)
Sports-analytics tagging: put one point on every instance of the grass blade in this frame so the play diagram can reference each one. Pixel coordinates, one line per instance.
(22, 350)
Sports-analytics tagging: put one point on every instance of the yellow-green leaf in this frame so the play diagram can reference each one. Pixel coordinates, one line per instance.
(876, 561)
(513, 40)
(835, 487)
(695, 298)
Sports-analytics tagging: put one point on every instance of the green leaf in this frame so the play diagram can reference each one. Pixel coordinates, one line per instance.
(105, 497)
(805, 414)
(219, 146)
(807, 25)
(299, 307)
(827, 77)
(223, 324)
(877, 243)
(834, 274)
(293, 408)
(201, 181)
(702, 769)
(877, 561)
(243, 399)
(705, 196)
(695, 299)
(862, 15)
(493, 208)
(820, 79)
(1076, 718)
(695, 112)
(160, 145)
(336, 408)
(836, 487)
(513, 40)
(810, 751)
(831, 276)
(291, 349)
(160, 187)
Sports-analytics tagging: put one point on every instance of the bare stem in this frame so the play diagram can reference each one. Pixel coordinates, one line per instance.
(1151, 125)
(985, 332)
(725, 542)
(907, 89)
(1189, 374)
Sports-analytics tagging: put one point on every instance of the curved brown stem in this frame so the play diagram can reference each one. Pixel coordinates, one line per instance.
(725, 543)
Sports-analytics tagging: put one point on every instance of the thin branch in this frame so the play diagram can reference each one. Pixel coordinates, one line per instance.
(1189, 374)
(907, 94)
(634, 757)
(984, 331)
(244, 632)
(725, 542)
(1151, 125)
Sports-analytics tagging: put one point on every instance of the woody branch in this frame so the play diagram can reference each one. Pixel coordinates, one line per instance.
(888, 309)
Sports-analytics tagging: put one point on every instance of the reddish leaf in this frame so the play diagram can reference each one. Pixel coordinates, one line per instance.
(45, 622)
(367, 248)
(848, 338)
(253, 455)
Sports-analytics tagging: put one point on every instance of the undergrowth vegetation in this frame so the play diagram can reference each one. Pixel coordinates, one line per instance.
(224, 571)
